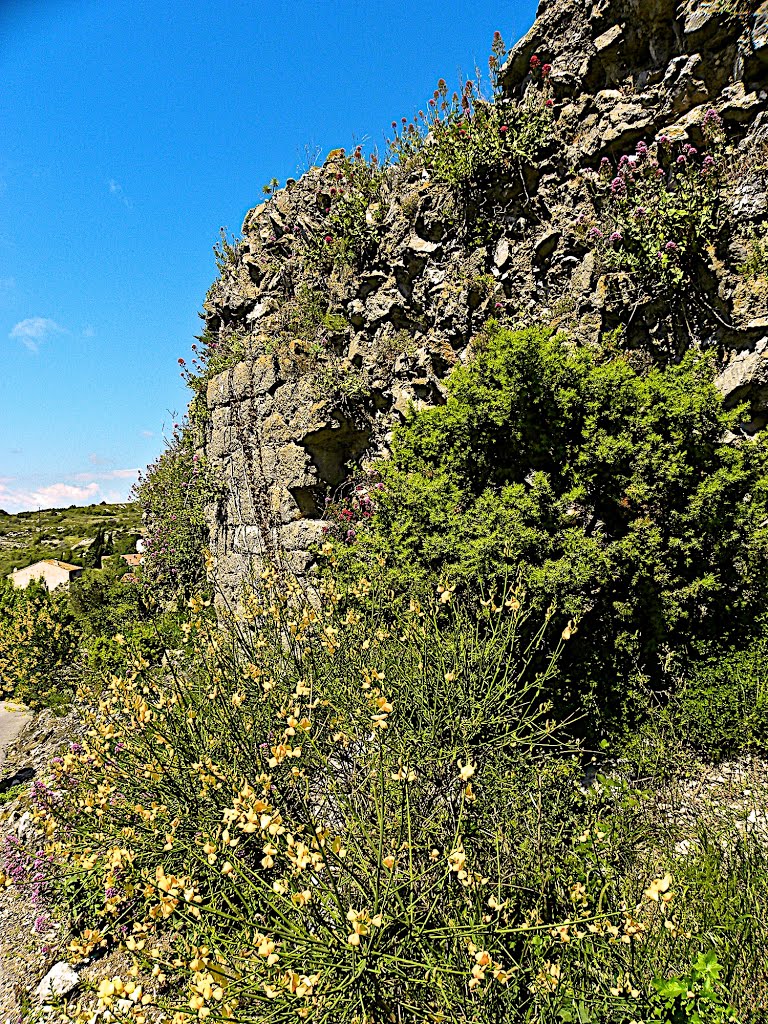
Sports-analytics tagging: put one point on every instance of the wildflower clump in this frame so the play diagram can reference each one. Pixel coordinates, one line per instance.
(304, 817)
(660, 207)
(471, 142)
(352, 208)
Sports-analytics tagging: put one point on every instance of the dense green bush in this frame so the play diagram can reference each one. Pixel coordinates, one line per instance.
(118, 620)
(612, 493)
(721, 704)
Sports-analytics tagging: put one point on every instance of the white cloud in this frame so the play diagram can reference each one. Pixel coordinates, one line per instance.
(18, 494)
(107, 474)
(34, 330)
(116, 190)
(89, 332)
(147, 433)
(21, 499)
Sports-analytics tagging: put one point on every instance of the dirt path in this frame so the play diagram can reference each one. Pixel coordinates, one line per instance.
(13, 718)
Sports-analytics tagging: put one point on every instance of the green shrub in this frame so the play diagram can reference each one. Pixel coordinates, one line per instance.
(174, 494)
(611, 492)
(721, 706)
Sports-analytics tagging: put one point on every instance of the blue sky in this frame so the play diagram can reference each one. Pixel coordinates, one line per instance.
(130, 132)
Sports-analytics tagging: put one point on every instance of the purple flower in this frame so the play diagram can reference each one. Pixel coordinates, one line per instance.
(682, 159)
(641, 149)
(595, 233)
(671, 247)
(618, 187)
(615, 237)
(664, 140)
(640, 212)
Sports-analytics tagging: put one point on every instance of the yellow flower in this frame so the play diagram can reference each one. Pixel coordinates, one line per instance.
(466, 771)
(658, 887)
(570, 629)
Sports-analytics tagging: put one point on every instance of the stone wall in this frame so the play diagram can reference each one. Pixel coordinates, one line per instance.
(286, 422)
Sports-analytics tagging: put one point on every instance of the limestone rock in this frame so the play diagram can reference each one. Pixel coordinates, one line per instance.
(609, 40)
(747, 371)
(59, 981)
(759, 35)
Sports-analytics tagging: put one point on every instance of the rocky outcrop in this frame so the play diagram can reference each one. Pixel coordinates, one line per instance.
(299, 407)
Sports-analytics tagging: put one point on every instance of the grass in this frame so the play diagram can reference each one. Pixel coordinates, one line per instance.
(63, 533)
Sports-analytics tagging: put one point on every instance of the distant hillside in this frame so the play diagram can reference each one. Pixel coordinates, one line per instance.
(64, 533)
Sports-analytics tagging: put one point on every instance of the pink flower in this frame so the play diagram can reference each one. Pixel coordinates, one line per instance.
(549, 103)
(504, 128)
(545, 71)
(535, 63)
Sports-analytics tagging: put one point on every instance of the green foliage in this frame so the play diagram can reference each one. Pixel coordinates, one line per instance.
(610, 491)
(756, 263)
(694, 996)
(174, 495)
(226, 252)
(343, 803)
(29, 537)
(100, 547)
(214, 354)
(342, 383)
(472, 144)
(353, 208)
(469, 139)
(661, 208)
(38, 645)
(721, 705)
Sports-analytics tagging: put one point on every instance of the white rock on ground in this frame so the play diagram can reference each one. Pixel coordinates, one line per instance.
(59, 981)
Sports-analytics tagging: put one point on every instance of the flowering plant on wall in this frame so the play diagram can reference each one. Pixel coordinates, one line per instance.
(659, 207)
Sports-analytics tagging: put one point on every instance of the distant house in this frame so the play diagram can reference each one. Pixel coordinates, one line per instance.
(50, 571)
(133, 559)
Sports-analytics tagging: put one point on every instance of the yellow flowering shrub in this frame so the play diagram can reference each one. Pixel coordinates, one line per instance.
(345, 808)
(38, 643)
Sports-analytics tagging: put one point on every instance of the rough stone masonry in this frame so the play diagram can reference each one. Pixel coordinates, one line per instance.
(283, 435)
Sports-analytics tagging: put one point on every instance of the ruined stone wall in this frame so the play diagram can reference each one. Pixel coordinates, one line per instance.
(287, 421)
